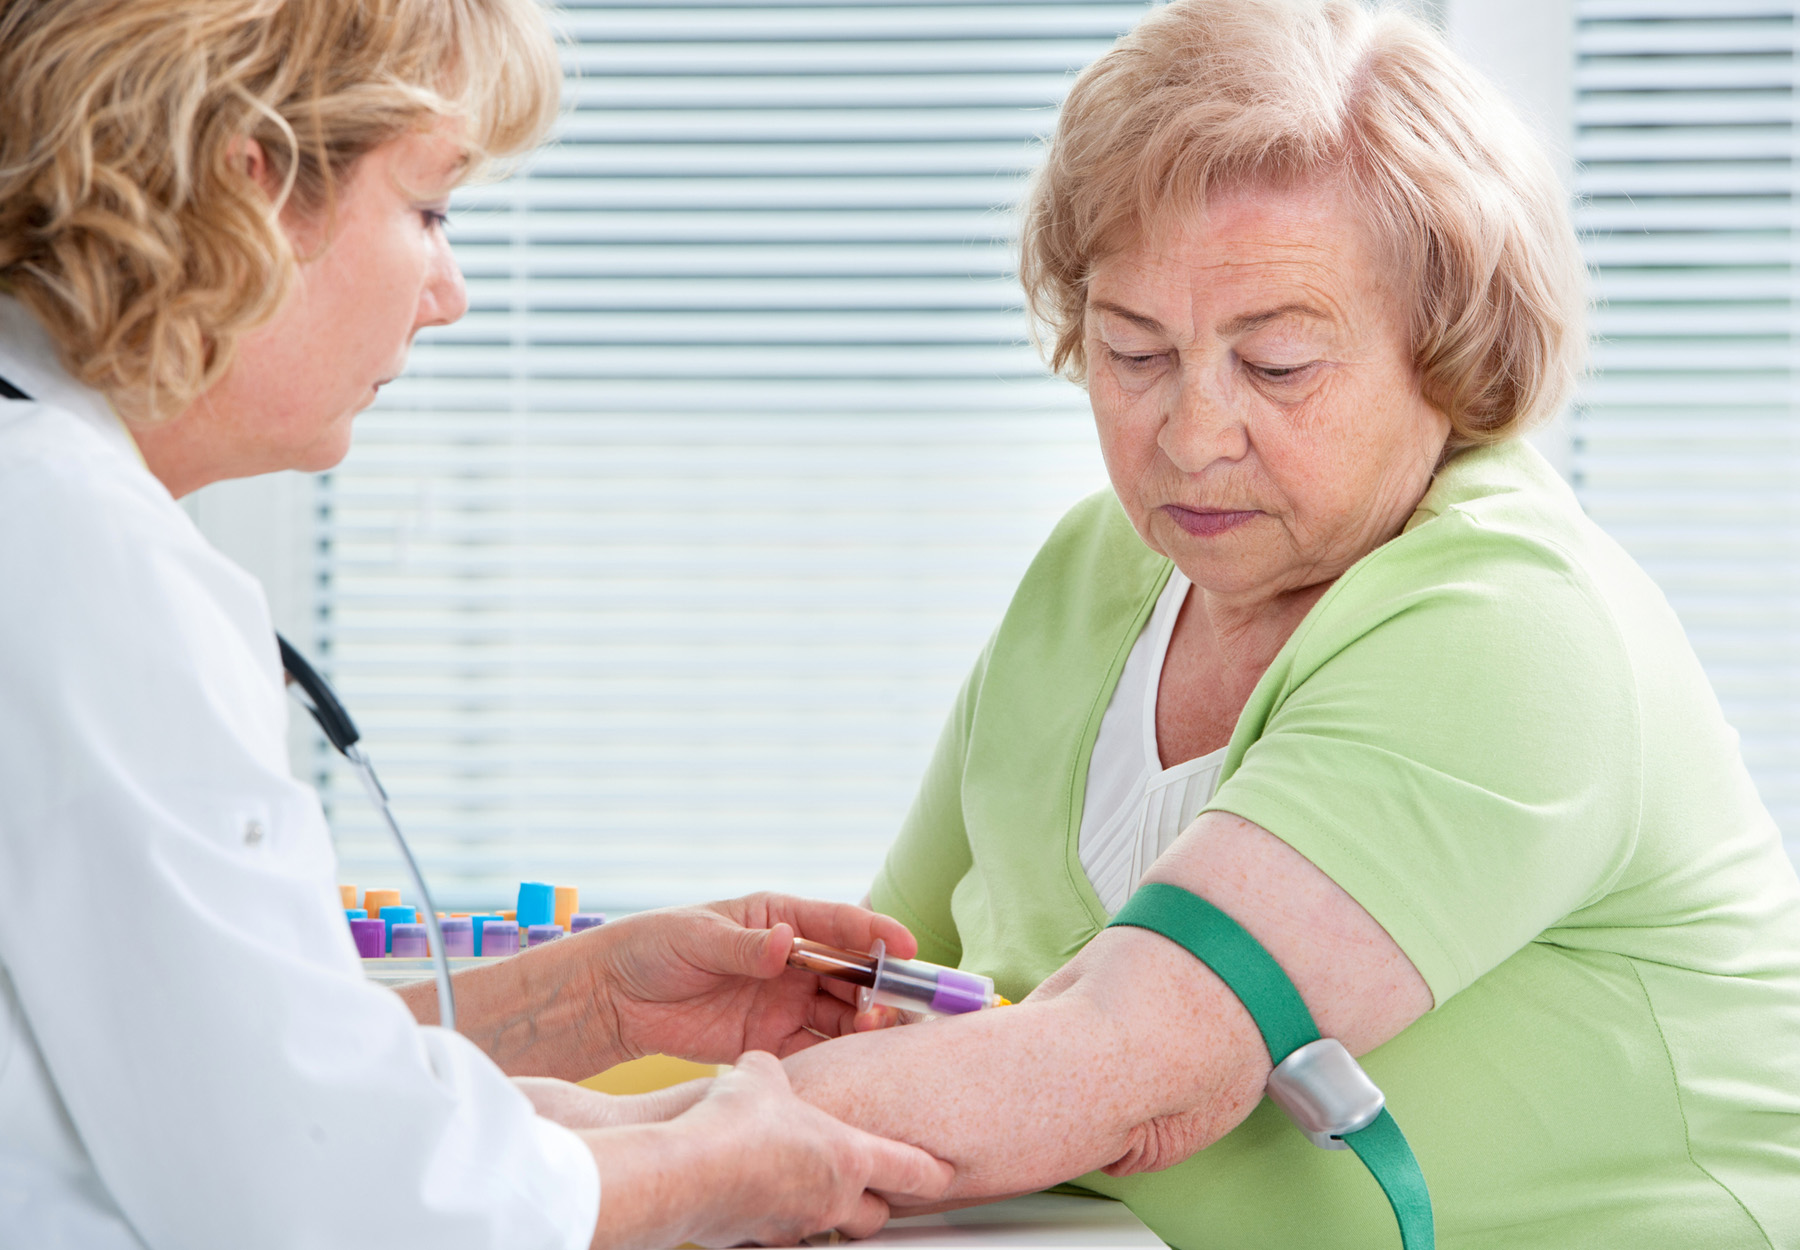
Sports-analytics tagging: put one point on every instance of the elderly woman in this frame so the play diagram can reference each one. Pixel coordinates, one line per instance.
(1339, 656)
(220, 226)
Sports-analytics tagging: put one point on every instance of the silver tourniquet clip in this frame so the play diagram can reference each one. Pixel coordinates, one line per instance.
(1326, 1092)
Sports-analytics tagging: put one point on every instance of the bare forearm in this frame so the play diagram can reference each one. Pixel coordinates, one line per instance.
(1005, 1097)
(537, 1014)
(1134, 1055)
(1028, 1096)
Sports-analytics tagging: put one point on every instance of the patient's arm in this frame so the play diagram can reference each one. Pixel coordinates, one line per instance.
(1134, 1055)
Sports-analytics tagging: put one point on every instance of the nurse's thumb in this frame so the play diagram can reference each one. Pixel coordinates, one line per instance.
(759, 953)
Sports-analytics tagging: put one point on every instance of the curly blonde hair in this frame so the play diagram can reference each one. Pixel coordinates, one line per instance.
(1205, 96)
(129, 225)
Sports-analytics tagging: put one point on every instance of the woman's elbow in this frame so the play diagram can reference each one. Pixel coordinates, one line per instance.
(1162, 1141)
(1158, 1143)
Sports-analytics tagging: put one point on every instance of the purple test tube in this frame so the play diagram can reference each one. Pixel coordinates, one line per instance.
(499, 937)
(459, 935)
(543, 933)
(583, 920)
(409, 942)
(370, 937)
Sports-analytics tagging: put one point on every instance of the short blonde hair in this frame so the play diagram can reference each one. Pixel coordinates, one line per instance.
(1205, 96)
(128, 224)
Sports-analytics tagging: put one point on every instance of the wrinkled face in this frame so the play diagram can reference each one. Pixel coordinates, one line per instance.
(1257, 403)
(383, 273)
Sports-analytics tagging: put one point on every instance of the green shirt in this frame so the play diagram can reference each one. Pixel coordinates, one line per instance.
(1493, 734)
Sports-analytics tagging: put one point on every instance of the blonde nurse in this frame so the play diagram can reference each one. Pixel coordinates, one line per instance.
(220, 227)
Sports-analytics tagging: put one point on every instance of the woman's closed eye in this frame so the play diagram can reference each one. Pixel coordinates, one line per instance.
(1281, 374)
(435, 218)
(1135, 361)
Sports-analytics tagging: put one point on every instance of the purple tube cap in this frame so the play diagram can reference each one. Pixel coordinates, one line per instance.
(543, 933)
(583, 920)
(370, 937)
(459, 935)
(409, 942)
(499, 937)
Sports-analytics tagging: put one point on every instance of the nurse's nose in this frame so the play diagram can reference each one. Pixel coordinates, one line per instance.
(446, 296)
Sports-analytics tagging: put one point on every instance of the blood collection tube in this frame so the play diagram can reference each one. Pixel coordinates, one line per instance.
(475, 923)
(370, 937)
(568, 902)
(408, 942)
(459, 935)
(499, 938)
(906, 984)
(375, 900)
(392, 916)
(537, 904)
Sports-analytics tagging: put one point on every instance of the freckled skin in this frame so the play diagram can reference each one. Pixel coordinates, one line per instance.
(1253, 360)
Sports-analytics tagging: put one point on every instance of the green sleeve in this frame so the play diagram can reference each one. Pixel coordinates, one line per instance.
(932, 852)
(1452, 736)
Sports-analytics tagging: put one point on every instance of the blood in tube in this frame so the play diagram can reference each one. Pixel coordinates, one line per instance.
(907, 984)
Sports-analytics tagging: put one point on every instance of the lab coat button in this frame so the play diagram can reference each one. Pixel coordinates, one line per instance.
(253, 832)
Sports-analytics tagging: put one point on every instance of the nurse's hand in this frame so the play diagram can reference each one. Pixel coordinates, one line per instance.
(576, 1106)
(749, 1161)
(711, 982)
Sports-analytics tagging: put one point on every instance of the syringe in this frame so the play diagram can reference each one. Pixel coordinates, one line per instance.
(908, 984)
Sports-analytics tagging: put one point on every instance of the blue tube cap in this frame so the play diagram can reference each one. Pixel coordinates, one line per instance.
(537, 904)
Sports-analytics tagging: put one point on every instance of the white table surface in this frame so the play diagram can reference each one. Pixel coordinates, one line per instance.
(1034, 1222)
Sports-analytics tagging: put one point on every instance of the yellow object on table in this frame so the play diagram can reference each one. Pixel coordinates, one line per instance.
(651, 1073)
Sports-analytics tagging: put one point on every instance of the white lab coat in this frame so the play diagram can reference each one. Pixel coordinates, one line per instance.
(190, 1056)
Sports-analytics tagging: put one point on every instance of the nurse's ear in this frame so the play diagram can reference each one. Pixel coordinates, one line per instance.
(247, 155)
(306, 230)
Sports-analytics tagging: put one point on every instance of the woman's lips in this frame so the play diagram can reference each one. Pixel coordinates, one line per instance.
(1206, 522)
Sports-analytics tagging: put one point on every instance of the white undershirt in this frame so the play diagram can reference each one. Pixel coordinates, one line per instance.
(1135, 807)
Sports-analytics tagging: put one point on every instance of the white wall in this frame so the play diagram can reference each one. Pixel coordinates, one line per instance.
(268, 526)
(1527, 47)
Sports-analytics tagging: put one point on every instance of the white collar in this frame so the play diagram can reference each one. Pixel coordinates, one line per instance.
(28, 360)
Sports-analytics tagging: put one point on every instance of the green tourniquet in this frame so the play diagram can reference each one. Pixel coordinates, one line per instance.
(1382, 1147)
(1492, 733)
(1220, 943)
(1252, 974)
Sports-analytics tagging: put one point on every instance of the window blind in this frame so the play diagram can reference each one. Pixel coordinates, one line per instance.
(658, 573)
(1685, 440)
